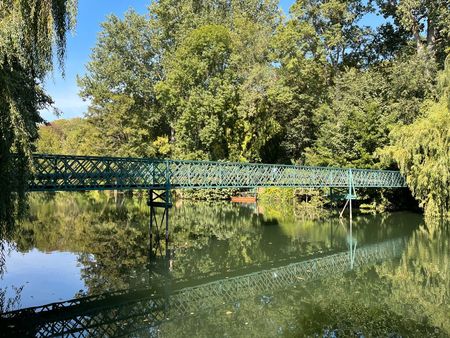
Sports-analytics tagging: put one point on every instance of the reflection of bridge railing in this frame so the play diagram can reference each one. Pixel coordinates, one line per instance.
(119, 313)
(72, 173)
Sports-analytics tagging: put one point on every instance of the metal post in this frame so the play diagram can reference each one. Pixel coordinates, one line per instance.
(150, 204)
(160, 198)
(167, 202)
(351, 240)
(343, 209)
(350, 195)
(350, 192)
(167, 221)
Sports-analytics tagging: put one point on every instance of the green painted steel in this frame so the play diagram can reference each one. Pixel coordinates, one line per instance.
(75, 173)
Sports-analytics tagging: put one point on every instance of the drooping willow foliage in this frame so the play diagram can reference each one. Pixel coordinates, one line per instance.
(32, 32)
(422, 151)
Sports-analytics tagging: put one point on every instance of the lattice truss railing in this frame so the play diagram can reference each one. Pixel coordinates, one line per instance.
(121, 313)
(72, 173)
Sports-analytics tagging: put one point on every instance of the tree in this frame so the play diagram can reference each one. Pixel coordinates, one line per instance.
(353, 124)
(317, 41)
(120, 82)
(174, 19)
(422, 151)
(426, 22)
(194, 78)
(365, 105)
(199, 93)
(75, 136)
(31, 32)
(241, 89)
(330, 30)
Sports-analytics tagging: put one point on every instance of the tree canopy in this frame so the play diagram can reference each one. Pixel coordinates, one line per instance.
(239, 81)
(422, 150)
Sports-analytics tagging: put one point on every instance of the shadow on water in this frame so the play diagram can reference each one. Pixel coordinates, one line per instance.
(236, 271)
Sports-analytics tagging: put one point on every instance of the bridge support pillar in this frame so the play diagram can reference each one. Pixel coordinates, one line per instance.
(351, 195)
(159, 199)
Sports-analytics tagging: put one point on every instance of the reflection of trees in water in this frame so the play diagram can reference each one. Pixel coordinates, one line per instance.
(407, 297)
(110, 233)
(10, 303)
(421, 282)
(214, 237)
(332, 231)
(410, 297)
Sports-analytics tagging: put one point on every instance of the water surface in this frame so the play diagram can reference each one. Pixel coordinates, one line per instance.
(230, 270)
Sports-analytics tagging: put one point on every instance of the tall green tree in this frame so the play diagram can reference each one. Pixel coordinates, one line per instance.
(196, 75)
(31, 32)
(174, 19)
(316, 42)
(218, 105)
(331, 29)
(365, 105)
(422, 151)
(247, 123)
(353, 124)
(425, 22)
(120, 83)
(200, 95)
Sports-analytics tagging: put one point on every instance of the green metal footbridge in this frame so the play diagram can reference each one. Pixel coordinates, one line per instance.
(76, 173)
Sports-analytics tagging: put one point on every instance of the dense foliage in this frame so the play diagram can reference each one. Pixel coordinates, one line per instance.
(422, 150)
(233, 80)
(75, 136)
(31, 32)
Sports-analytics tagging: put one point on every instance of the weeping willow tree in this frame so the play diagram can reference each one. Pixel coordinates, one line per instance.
(422, 151)
(32, 33)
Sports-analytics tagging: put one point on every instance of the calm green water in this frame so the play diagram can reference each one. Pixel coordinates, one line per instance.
(229, 271)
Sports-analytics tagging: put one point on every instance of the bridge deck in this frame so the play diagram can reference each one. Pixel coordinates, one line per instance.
(75, 173)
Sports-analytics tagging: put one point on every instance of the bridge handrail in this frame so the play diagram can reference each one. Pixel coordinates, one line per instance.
(231, 163)
(76, 172)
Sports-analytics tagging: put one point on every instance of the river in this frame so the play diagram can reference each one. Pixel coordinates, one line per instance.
(230, 270)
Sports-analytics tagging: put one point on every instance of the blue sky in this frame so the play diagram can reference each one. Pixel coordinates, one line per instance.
(91, 14)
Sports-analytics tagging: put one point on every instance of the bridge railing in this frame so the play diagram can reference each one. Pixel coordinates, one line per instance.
(206, 174)
(71, 173)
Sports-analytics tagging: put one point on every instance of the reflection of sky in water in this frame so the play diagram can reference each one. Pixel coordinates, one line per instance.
(46, 277)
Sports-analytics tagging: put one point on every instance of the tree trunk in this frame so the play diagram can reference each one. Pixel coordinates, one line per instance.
(417, 39)
(431, 37)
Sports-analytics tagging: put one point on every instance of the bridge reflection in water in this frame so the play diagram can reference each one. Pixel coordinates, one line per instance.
(124, 312)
